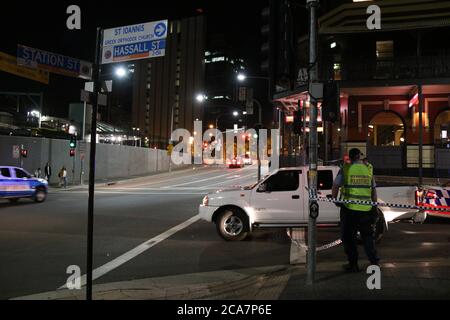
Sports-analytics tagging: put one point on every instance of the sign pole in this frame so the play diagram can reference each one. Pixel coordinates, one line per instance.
(313, 206)
(90, 229)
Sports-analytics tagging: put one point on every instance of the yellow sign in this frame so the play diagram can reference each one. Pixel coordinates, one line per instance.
(8, 64)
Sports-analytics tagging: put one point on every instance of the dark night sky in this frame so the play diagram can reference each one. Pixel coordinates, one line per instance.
(43, 25)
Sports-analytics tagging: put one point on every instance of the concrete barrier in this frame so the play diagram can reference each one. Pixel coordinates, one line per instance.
(112, 161)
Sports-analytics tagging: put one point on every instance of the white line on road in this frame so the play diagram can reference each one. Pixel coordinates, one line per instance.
(155, 181)
(242, 177)
(117, 262)
(203, 180)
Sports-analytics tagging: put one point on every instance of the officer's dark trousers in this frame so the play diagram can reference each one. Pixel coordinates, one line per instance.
(353, 221)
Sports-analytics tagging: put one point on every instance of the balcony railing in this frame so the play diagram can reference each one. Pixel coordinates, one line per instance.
(401, 68)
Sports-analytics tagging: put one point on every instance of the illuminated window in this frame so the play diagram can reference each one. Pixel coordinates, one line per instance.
(386, 129)
(218, 59)
(442, 128)
(385, 50)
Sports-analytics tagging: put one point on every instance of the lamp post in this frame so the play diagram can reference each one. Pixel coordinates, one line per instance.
(241, 78)
(235, 114)
(200, 98)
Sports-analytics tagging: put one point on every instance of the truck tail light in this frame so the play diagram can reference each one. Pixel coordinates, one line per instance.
(205, 201)
(431, 195)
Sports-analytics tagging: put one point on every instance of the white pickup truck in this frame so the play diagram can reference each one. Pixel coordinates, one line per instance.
(281, 200)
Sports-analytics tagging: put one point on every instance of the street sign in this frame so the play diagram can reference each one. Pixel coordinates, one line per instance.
(249, 100)
(242, 94)
(134, 42)
(16, 152)
(52, 62)
(102, 99)
(8, 64)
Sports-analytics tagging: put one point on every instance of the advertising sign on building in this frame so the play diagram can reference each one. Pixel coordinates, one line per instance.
(134, 42)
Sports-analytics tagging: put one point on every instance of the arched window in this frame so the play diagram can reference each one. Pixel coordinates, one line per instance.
(442, 128)
(386, 129)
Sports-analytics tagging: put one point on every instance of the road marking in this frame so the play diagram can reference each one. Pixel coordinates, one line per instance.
(117, 262)
(243, 177)
(202, 180)
(169, 180)
(143, 193)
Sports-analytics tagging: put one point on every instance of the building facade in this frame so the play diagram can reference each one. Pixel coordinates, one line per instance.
(165, 88)
(384, 78)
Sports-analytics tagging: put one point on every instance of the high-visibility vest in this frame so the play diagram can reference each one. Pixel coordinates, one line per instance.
(358, 185)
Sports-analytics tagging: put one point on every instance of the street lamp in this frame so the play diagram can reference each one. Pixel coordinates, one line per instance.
(241, 77)
(201, 97)
(121, 72)
(235, 114)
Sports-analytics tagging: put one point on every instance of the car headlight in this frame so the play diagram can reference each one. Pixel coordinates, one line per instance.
(205, 201)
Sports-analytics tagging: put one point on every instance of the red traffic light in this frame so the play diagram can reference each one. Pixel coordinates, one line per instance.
(24, 153)
(72, 152)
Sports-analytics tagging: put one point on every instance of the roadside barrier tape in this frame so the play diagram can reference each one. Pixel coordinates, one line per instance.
(314, 197)
(321, 248)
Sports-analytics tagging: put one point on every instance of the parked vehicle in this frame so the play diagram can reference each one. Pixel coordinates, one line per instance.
(434, 197)
(281, 200)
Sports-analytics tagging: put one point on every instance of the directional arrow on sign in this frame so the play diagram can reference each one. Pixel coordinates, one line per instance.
(160, 29)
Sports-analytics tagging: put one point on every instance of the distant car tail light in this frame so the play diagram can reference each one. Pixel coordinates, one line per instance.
(205, 201)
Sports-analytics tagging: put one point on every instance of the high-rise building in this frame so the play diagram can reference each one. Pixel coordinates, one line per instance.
(165, 89)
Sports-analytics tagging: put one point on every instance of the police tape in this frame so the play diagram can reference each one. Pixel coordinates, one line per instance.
(313, 197)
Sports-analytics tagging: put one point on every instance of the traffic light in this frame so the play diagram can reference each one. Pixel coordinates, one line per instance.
(73, 142)
(298, 122)
(23, 153)
(331, 102)
(72, 152)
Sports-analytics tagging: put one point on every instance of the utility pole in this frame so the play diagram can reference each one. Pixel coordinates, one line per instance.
(258, 127)
(90, 237)
(420, 135)
(312, 178)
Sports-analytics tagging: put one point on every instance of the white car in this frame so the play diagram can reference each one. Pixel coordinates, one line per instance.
(248, 160)
(281, 200)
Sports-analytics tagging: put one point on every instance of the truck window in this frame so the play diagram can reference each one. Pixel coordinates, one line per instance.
(324, 180)
(4, 172)
(283, 181)
(20, 174)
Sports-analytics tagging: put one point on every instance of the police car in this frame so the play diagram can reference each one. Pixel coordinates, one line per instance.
(435, 197)
(16, 183)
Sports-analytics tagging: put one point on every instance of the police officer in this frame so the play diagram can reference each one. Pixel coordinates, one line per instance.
(357, 183)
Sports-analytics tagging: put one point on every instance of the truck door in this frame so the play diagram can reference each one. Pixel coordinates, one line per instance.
(279, 199)
(21, 183)
(328, 212)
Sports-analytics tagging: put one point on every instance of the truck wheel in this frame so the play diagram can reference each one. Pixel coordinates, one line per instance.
(232, 225)
(14, 200)
(40, 195)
